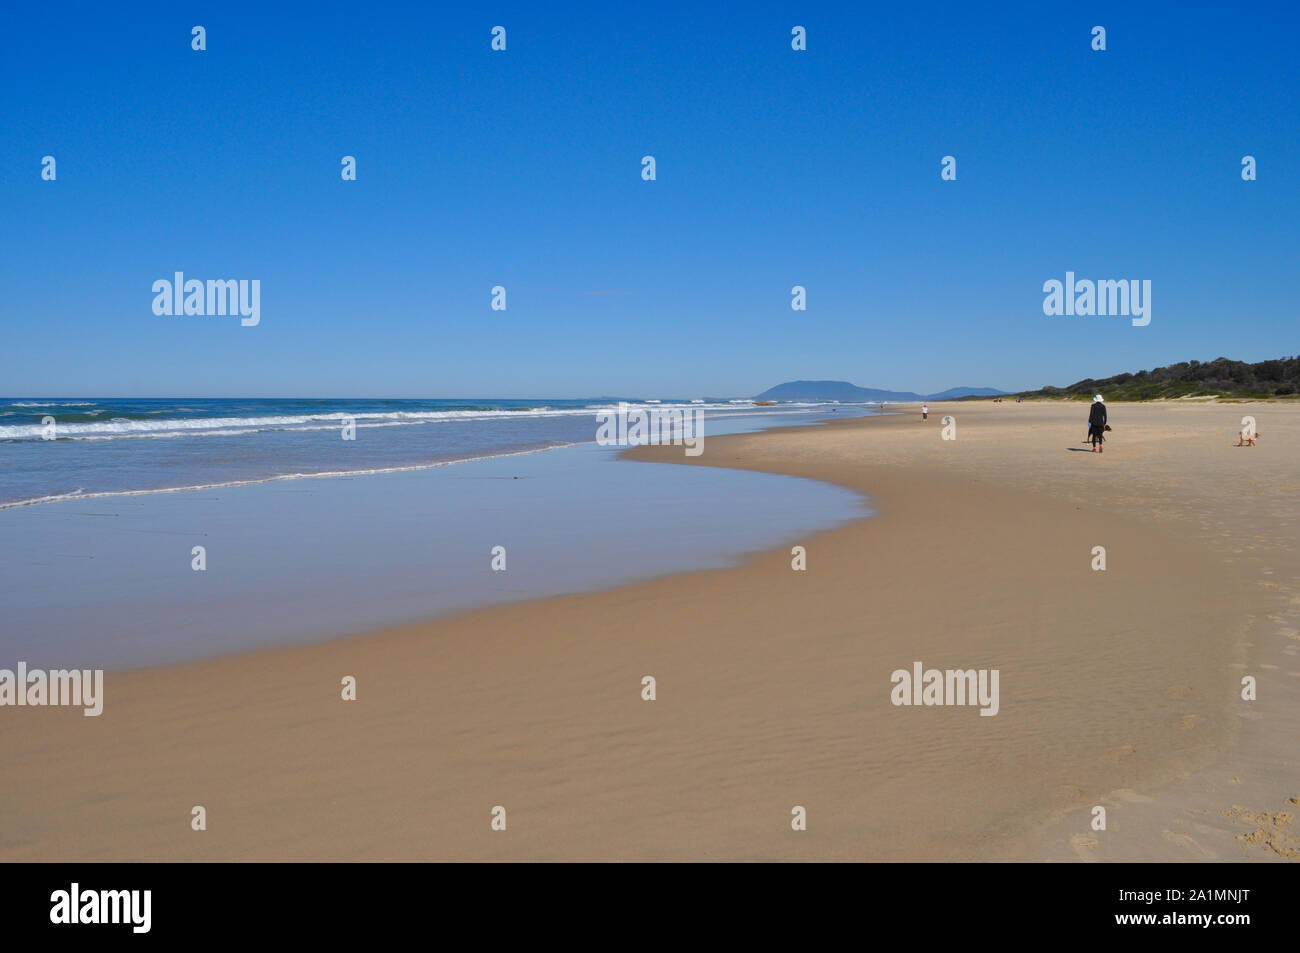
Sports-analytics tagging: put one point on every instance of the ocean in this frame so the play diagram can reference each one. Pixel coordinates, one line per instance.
(116, 446)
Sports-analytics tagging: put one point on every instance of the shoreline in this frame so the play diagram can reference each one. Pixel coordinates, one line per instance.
(116, 585)
(773, 691)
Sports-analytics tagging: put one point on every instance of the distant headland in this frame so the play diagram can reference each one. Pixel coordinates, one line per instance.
(1221, 377)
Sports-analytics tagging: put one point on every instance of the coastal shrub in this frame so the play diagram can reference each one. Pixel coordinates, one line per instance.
(1219, 377)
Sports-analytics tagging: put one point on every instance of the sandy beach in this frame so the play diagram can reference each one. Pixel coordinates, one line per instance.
(1118, 688)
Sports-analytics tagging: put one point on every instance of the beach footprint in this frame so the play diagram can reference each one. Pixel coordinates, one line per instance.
(1118, 753)
(1084, 847)
(1187, 842)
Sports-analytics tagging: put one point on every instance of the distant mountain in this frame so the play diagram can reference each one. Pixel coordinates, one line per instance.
(956, 393)
(842, 391)
(847, 393)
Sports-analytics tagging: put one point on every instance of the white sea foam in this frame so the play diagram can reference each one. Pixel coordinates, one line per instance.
(121, 427)
(53, 403)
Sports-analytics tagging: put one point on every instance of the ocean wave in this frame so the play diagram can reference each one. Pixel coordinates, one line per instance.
(125, 427)
(52, 403)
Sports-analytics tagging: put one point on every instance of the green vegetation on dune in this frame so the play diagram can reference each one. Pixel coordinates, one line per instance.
(1218, 378)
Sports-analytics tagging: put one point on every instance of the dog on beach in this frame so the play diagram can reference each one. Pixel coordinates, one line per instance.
(1247, 440)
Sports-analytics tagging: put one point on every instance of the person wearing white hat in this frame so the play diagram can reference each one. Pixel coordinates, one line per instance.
(1097, 424)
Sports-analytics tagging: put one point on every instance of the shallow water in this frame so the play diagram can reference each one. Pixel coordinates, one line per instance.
(109, 583)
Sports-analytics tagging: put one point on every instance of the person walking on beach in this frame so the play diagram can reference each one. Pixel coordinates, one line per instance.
(925, 412)
(1097, 424)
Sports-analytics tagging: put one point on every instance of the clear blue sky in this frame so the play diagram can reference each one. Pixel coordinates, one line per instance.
(522, 168)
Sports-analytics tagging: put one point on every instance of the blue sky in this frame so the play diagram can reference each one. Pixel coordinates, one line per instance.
(522, 169)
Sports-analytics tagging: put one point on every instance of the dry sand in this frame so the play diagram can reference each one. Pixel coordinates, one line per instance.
(1118, 688)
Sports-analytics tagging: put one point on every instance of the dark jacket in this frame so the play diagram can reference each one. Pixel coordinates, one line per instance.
(1097, 416)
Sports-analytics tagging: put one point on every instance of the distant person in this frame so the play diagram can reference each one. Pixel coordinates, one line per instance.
(925, 412)
(1097, 424)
